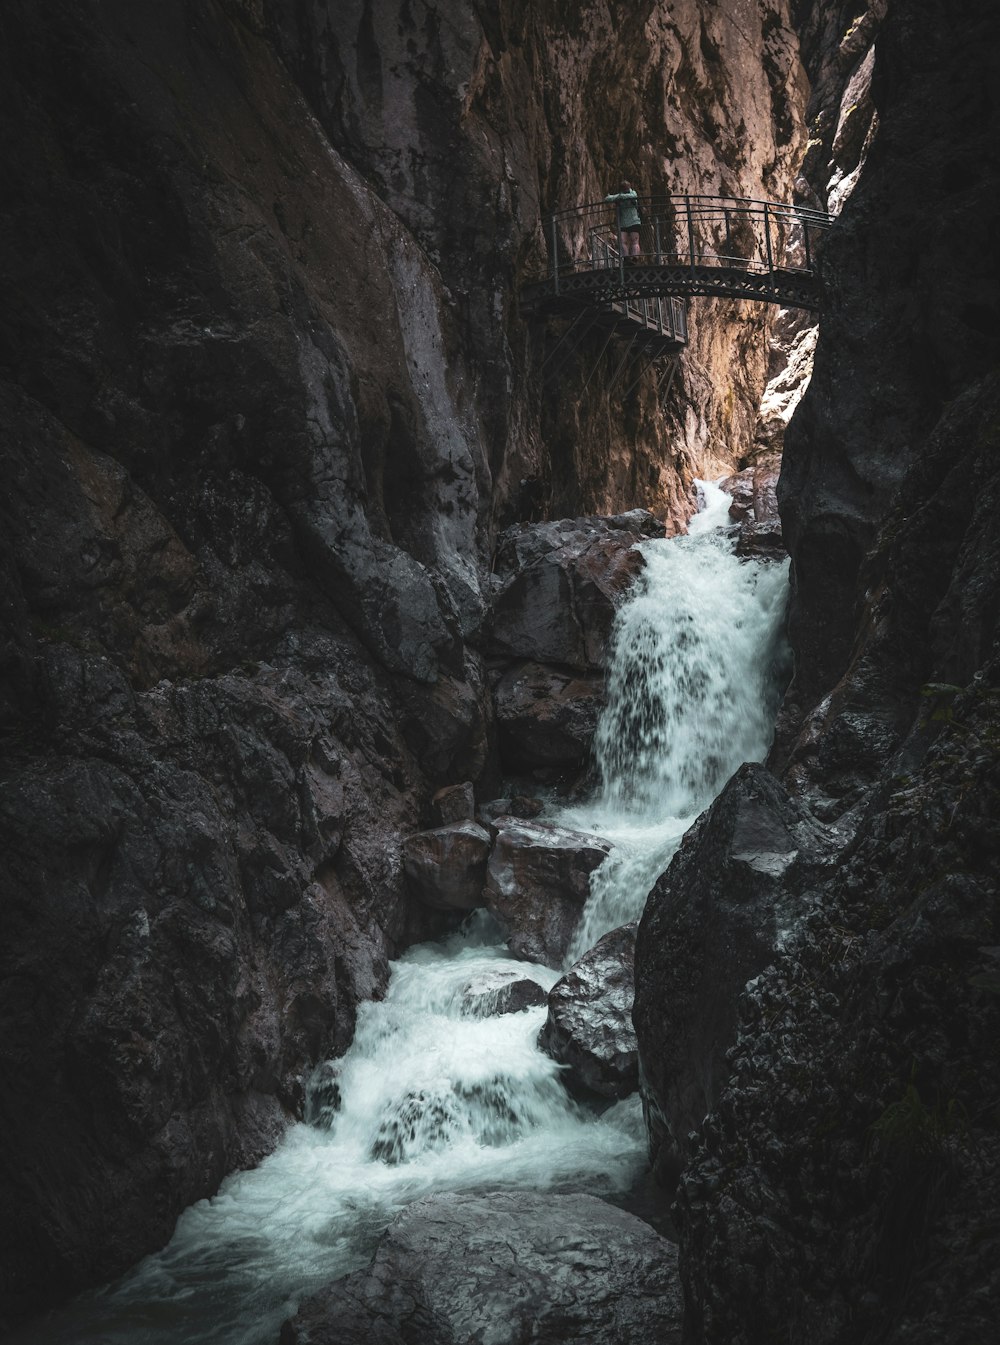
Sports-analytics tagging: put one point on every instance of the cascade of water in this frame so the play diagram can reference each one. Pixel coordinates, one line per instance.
(692, 692)
(436, 1096)
(434, 1093)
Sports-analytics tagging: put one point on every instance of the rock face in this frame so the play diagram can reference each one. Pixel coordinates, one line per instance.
(589, 1024)
(505, 1267)
(538, 880)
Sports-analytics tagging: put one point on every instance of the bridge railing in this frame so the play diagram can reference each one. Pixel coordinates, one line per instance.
(732, 232)
(663, 315)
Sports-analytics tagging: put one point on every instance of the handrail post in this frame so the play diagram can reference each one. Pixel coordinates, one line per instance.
(805, 235)
(555, 254)
(621, 250)
(656, 224)
(687, 207)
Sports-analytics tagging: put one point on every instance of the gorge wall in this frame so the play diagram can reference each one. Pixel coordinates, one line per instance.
(267, 398)
(844, 1178)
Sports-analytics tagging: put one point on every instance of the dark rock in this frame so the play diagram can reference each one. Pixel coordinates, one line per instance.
(559, 586)
(546, 716)
(740, 487)
(501, 992)
(589, 1025)
(711, 922)
(446, 868)
(455, 803)
(538, 880)
(510, 1268)
(761, 540)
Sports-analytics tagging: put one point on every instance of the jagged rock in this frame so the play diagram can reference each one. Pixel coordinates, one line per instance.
(546, 716)
(455, 803)
(446, 868)
(711, 922)
(510, 1268)
(538, 879)
(762, 540)
(740, 487)
(559, 586)
(589, 1024)
(501, 992)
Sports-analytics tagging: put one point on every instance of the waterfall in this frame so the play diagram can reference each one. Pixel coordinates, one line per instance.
(435, 1093)
(693, 684)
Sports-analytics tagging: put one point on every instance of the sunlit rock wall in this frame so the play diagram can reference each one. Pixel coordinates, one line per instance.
(473, 128)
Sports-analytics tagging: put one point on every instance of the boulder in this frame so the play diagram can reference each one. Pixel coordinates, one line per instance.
(505, 1267)
(712, 921)
(455, 803)
(560, 583)
(546, 716)
(446, 868)
(537, 881)
(500, 992)
(589, 1026)
(740, 487)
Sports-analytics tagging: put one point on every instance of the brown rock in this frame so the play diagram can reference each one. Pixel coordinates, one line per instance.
(546, 716)
(455, 803)
(446, 868)
(561, 583)
(538, 879)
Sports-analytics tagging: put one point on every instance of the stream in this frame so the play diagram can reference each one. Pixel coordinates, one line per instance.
(435, 1095)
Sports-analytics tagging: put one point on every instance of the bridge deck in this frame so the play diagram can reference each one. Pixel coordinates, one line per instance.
(690, 246)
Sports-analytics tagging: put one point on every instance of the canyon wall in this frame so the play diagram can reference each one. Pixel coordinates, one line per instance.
(267, 397)
(844, 1179)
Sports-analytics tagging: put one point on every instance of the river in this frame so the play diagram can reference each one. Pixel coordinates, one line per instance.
(435, 1096)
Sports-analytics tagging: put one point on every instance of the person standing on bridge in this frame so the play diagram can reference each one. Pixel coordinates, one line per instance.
(629, 220)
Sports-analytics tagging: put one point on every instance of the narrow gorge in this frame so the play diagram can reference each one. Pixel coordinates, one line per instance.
(499, 808)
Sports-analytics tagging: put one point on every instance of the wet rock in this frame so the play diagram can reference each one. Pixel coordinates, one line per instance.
(511, 1268)
(711, 922)
(538, 880)
(740, 487)
(589, 1025)
(501, 992)
(446, 868)
(546, 716)
(560, 584)
(761, 540)
(455, 803)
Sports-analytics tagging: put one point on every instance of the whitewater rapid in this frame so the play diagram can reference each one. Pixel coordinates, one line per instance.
(435, 1096)
(697, 668)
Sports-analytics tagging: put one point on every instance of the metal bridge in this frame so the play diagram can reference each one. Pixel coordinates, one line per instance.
(709, 246)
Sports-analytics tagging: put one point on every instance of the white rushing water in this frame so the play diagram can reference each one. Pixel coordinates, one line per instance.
(434, 1096)
(693, 684)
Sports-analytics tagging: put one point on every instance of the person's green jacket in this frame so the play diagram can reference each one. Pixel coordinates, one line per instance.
(628, 209)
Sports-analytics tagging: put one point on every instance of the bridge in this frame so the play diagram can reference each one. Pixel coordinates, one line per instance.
(689, 246)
